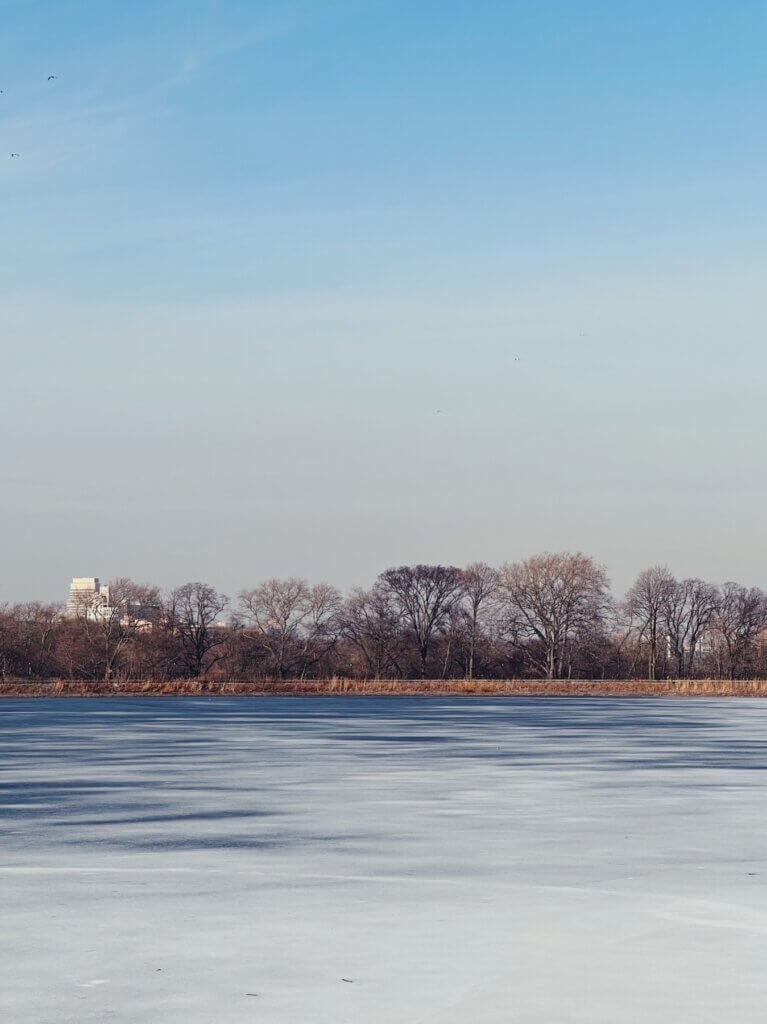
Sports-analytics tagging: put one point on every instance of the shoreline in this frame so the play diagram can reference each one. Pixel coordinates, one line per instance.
(388, 688)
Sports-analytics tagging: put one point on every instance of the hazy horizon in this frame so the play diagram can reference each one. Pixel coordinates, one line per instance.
(319, 289)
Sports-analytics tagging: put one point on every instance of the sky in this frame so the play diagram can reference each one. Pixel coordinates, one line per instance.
(321, 288)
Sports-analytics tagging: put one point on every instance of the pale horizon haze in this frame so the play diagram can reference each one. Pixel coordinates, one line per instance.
(320, 288)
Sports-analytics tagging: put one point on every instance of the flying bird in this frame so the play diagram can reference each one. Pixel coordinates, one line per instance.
(51, 77)
(14, 155)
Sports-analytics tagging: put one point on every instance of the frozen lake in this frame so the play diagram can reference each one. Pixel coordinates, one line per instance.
(213, 861)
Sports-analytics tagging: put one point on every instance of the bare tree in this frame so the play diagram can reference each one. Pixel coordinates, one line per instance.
(740, 618)
(291, 622)
(135, 608)
(550, 600)
(646, 603)
(424, 595)
(453, 641)
(192, 615)
(28, 635)
(688, 609)
(480, 586)
(371, 624)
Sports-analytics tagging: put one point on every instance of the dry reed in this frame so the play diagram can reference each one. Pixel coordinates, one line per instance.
(389, 687)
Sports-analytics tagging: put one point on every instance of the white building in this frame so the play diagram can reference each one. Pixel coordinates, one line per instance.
(88, 599)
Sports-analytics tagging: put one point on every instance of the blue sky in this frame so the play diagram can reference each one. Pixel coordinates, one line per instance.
(251, 249)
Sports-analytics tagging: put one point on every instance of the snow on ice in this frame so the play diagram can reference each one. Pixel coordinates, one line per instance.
(369, 861)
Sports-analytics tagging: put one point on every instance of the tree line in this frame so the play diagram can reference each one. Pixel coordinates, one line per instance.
(551, 616)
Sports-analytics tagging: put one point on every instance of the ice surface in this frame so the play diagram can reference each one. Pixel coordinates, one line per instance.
(212, 861)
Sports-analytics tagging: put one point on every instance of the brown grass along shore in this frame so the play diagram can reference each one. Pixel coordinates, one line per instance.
(389, 688)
